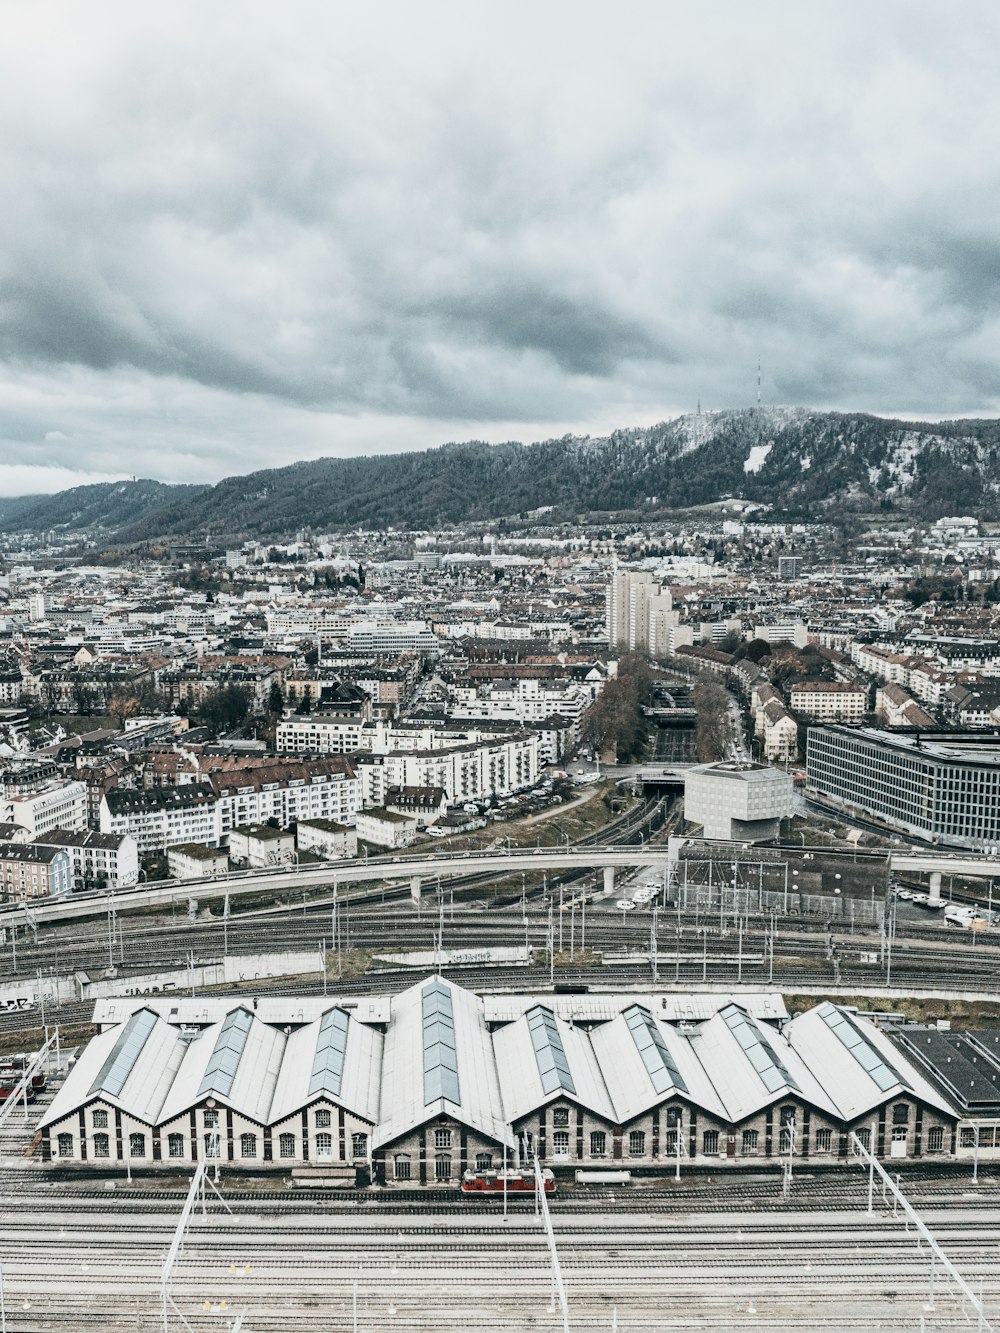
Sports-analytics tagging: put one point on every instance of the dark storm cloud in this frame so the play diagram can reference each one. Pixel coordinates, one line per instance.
(582, 337)
(234, 234)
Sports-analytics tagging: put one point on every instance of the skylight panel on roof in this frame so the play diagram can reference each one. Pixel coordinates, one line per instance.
(550, 1054)
(124, 1053)
(653, 1050)
(440, 1054)
(759, 1051)
(331, 1048)
(225, 1059)
(880, 1070)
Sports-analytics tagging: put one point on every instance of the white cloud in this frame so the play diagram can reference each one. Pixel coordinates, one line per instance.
(246, 235)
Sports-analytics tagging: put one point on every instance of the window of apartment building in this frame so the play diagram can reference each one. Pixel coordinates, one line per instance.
(99, 1119)
(137, 1145)
(64, 1145)
(560, 1117)
(598, 1143)
(751, 1140)
(175, 1145)
(824, 1140)
(442, 1138)
(401, 1167)
(359, 1145)
(442, 1168)
(710, 1142)
(101, 1145)
(323, 1120)
(636, 1143)
(935, 1139)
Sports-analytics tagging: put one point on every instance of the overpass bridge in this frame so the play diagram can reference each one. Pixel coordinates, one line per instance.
(413, 869)
(416, 870)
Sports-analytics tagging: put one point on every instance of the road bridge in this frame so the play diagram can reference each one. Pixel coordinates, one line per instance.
(417, 870)
(295, 879)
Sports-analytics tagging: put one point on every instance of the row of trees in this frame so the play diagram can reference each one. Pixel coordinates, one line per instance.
(615, 720)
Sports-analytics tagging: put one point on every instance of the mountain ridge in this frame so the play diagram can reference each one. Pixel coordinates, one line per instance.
(799, 462)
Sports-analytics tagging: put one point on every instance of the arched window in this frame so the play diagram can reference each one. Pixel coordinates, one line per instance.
(322, 1119)
(598, 1143)
(248, 1145)
(101, 1145)
(212, 1144)
(137, 1145)
(484, 1161)
(324, 1147)
(286, 1145)
(175, 1145)
(359, 1145)
(560, 1143)
(402, 1167)
(442, 1168)
(636, 1143)
(64, 1145)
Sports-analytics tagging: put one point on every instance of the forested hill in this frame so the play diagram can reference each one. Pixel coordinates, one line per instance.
(108, 505)
(802, 463)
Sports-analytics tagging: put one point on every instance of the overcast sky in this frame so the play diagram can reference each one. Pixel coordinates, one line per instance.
(238, 234)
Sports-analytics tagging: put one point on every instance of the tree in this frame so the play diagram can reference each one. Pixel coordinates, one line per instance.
(275, 700)
(615, 719)
(124, 704)
(712, 728)
(226, 708)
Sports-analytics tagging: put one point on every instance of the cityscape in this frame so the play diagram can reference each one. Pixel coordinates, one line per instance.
(500, 672)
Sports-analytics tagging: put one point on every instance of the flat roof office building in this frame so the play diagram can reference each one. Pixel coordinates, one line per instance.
(942, 787)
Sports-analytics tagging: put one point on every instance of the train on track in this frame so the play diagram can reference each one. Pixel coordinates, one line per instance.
(511, 1181)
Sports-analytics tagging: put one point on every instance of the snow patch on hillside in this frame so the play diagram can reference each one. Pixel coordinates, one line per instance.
(758, 456)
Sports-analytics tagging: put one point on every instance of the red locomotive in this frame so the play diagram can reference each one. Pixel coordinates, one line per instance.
(511, 1180)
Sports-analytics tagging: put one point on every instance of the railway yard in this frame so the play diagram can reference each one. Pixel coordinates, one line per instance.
(738, 1250)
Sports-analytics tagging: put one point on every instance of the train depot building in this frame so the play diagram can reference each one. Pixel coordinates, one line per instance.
(419, 1087)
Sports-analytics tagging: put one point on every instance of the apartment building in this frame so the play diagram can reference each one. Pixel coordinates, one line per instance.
(55, 804)
(287, 791)
(161, 817)
(29, 871)
(829, 700)
(99, 860)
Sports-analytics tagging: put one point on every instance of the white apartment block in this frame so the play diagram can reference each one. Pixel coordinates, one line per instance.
(526, 702)
(162, 817)
(253, 799)
(57, 805)
(829, 701)
(628, 599)
(487, 769)
(327, 838)
(322, 733)
(391, 637)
